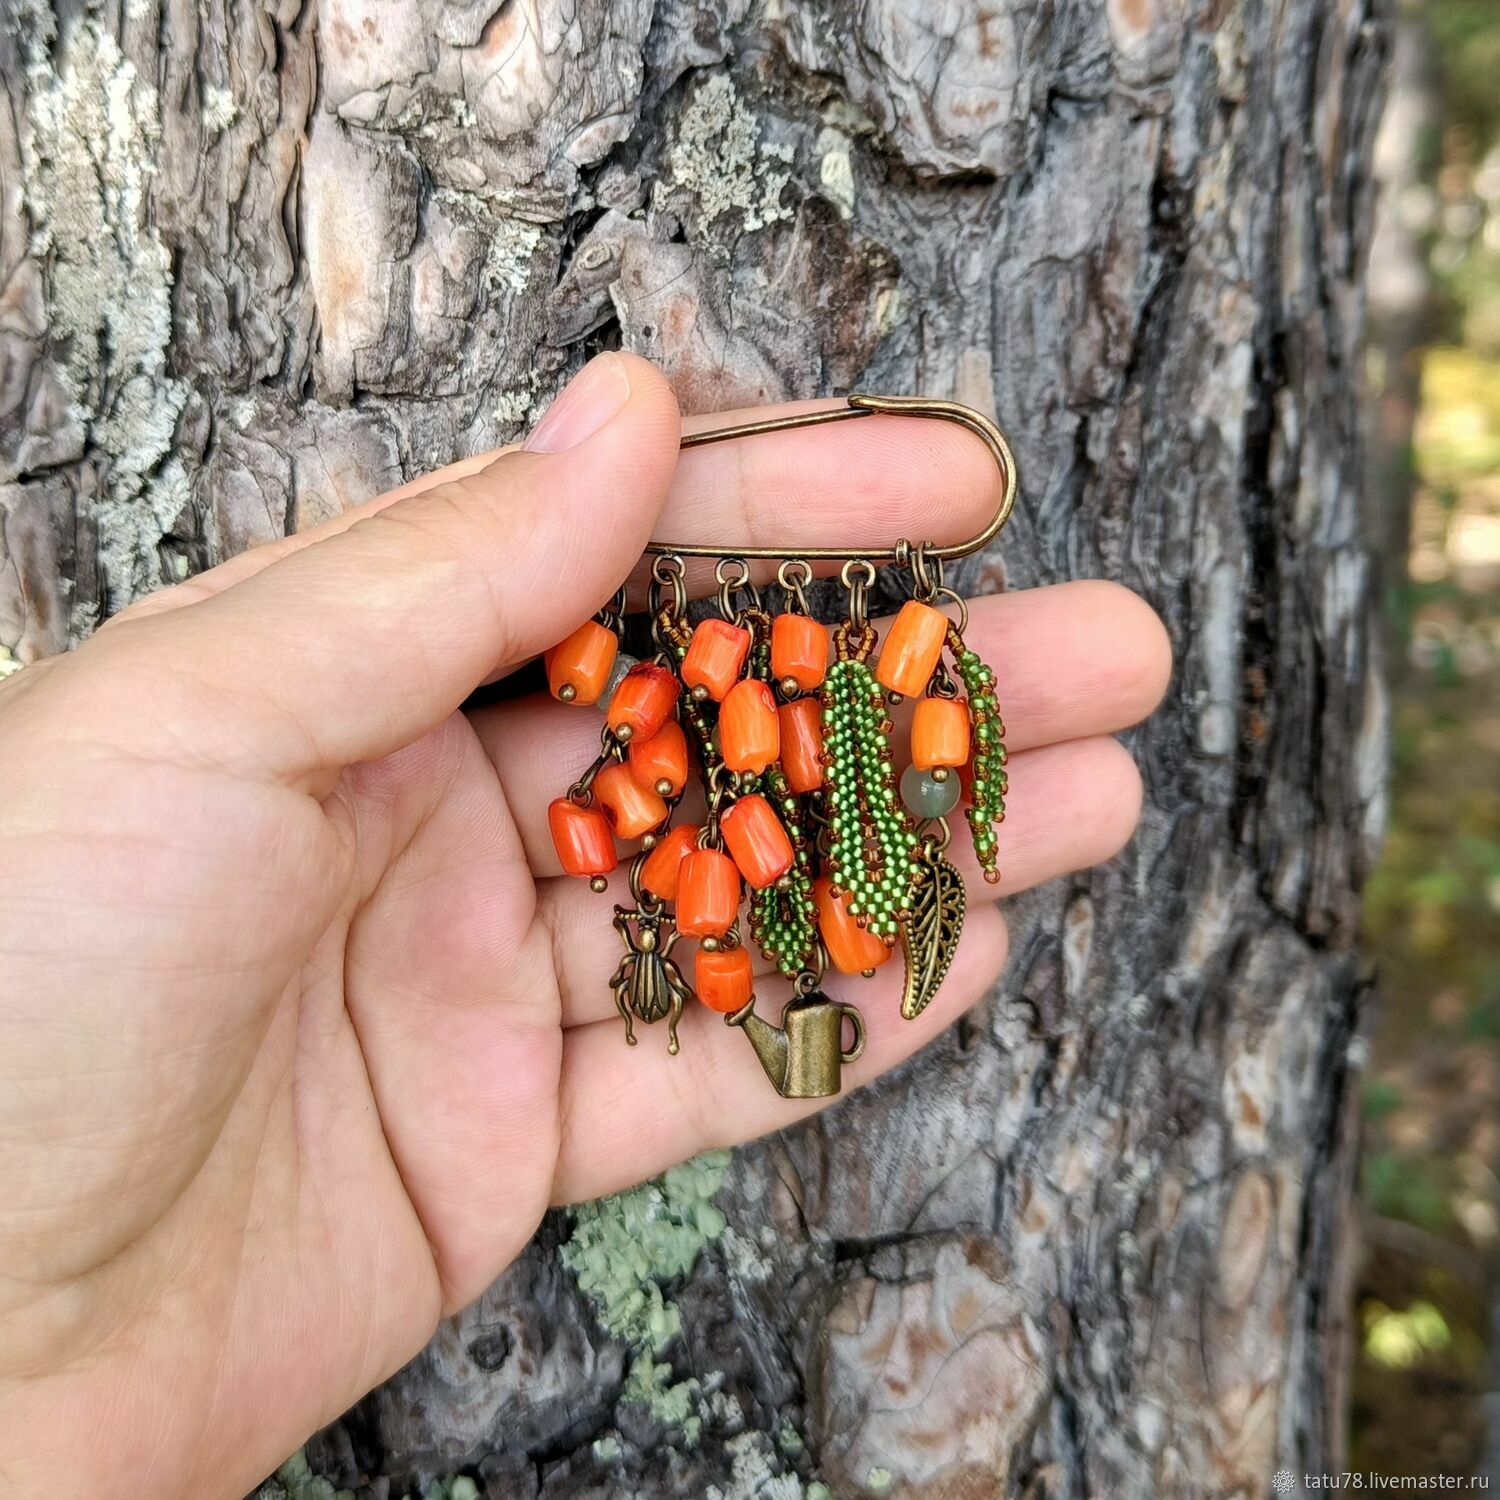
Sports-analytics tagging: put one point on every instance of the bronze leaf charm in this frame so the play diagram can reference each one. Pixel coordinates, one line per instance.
(930, 935)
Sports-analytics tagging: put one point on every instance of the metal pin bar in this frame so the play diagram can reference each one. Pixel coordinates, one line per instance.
(865, 406)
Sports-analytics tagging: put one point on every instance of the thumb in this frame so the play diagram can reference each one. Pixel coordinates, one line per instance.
(358, 644)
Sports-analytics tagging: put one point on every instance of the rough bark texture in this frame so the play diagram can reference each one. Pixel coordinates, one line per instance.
(260, 261)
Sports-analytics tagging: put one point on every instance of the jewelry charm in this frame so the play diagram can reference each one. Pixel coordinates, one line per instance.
(803, 814)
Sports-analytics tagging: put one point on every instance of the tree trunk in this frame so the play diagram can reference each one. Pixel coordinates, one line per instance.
(260, 262)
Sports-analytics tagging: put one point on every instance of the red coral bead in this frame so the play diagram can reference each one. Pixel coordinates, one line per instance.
(749, 731)
(645, 698)
(714, 657)
(799, 651)
(758, 843)
(724, 981)
(708, 894)
(582, 838)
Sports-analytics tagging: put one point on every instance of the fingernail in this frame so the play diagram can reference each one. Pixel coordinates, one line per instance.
(589, 400)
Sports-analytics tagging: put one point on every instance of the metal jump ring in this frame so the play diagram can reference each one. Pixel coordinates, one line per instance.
(926, 572)
(859, 590)
(811, 975)
(730, 585)
(941, 592)
(666, 572)
(795, 582)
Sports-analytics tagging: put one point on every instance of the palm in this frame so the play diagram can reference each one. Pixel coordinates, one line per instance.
(305, 1031)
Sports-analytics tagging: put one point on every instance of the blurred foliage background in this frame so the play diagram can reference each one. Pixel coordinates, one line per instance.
(1428, 1371)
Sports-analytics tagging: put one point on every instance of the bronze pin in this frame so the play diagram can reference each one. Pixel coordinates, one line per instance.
(864, 406)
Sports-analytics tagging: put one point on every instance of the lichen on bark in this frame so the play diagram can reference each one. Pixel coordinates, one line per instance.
(88, 147)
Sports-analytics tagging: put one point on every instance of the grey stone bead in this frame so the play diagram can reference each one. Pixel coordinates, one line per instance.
(623, 664)
(928, 798)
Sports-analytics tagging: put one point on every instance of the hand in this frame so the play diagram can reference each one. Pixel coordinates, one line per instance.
(300, 1030)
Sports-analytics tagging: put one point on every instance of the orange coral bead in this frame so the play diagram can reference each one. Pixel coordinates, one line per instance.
(714, 657)
(662, 760)
(799, 651)
(708, 893)
(802, 743)
(940, 733)
(755, 838)
(646, 695)
(581, 837)
(724, 980)
(749, 732)
(581, 663)
(632, 809)
(663, 864)
(851, 949)
(912, 648)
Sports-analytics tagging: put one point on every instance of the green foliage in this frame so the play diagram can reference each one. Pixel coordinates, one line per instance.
(1398, 1340)
(1458, 438)
(1381, 1098)
(1415, 1190)
(1466, 38)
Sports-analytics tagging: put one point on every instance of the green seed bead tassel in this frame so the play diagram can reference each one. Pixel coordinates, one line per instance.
(872, 846)
(783, 922)
(987, 731)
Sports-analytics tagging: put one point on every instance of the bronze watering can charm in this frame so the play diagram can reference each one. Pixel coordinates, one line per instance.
(803, 1056)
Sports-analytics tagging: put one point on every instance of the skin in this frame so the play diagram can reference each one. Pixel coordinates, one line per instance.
(300, 1030)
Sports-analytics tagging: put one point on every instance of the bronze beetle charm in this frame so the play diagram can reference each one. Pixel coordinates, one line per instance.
(648, 985)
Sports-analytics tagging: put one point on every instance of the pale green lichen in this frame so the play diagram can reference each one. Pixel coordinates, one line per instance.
(745, 1258)
(219, 109)
(624, 1250)
(87, 146)
(459, 1488)
(8, 662)
(513, 406)
(510, 243)
(879, 1481)
(295, 1480)
(719, 159)
(755, 1475)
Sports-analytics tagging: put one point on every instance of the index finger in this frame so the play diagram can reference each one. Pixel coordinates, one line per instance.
(857, 484)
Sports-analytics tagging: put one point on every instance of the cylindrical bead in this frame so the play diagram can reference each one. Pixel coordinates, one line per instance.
(799, 650)
(661, 867)
(714, 657)
(911, 649)
(758, 843)
(749, 732)
(644, 699)
(940, 733)
(725, 980)
(662, 758)
(581, 837)
(582, 662)
(631, 808)
(802, 743)
(708, 893)
(851, 949)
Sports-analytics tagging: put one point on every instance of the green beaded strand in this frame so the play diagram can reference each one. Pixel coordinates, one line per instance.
(783, 919)
(872, 844)
(987, 792)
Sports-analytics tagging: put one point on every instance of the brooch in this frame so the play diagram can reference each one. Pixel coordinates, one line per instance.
(803, 841)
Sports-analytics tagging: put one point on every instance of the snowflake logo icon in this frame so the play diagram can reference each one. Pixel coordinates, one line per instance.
(1283, 1481)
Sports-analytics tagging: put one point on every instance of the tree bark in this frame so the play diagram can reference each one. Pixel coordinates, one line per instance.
(262, 261)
